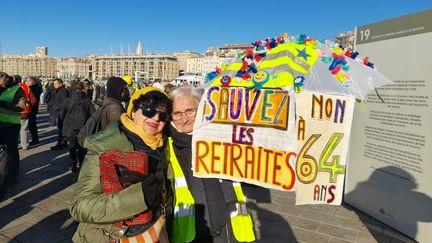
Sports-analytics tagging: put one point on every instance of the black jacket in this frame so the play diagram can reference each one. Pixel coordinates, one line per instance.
(76, 97)
(111, 112)
(60, 96)
(37, 91)
(213, 199)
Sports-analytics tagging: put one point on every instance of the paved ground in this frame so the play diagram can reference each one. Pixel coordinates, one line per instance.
(36, 209)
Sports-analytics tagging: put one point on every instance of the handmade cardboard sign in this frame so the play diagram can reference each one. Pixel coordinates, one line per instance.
(323, 131)
(246, 135)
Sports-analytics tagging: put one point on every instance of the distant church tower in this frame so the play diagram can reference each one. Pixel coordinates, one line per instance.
(139, 49)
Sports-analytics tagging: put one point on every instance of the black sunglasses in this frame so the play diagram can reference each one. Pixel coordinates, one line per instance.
(151, 112)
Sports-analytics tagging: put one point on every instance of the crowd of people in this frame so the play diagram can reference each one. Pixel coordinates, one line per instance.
(134, 164)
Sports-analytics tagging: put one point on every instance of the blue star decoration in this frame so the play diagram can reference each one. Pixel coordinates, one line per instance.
(303, 53)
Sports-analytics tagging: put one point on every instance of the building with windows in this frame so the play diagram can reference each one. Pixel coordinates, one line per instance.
(231, 50)
(206, 64)
(214, 57)
(29, 65)
(345, 39)
(41, 51)
(182, 58)
(73, 68)
(146, 67)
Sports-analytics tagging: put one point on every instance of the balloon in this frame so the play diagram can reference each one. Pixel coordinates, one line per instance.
(225, 80)
(252, 68)
(246, 76)
(340, 77)
(354, 55)
(249, 52)
(336, 69)
(210, 76)
(348, 83)
(326, 59)
(348, 53)
(333, 64)
(321, 53)
(299, 81)
(245, 65)
(338, 51)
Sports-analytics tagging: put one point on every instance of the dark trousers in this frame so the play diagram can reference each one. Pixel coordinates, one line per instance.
(52, 116)
(52, 120)
(60, 131)
(76, 152)
(9, 137)
(33, 127)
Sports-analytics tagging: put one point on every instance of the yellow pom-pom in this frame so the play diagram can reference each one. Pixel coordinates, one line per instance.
(340, 77)
(338, 50)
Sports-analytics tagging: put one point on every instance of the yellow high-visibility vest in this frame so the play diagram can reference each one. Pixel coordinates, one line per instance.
(8, 117)
(241, 220)
(184, 212)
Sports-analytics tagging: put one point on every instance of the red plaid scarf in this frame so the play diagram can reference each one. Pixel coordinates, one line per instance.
(133, 160)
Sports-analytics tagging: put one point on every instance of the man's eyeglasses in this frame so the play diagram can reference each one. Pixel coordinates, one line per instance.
(151, 112)
(177, 115)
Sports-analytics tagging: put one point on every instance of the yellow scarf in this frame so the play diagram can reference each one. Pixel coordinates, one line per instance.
(153, 142)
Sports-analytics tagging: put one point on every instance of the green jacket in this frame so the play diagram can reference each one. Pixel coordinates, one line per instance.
(96, 211)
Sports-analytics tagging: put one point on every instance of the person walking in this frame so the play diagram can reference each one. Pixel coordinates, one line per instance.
(106, 212)
(206, 209)
(75, 112)
(61, 93)
(12, 103)
(36, 89)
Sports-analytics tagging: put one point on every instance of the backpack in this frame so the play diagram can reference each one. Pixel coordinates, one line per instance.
(92, 126)
(76, 115)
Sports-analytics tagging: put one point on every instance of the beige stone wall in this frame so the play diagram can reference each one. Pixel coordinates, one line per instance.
(29, 66)
(143, 67)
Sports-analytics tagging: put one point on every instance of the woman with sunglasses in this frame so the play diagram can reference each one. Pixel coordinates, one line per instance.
(105, 212)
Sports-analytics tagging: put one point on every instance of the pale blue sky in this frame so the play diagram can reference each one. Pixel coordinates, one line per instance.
(80, 27)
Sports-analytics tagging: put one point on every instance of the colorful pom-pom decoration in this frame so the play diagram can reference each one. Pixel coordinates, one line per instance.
(225, 80)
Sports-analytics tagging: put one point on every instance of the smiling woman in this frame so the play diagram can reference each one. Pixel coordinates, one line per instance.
(119, 191)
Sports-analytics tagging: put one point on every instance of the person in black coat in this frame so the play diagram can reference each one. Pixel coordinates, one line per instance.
(88, 90)
(77, 108)
(214, 199)
(36, 89)
(61, 94)
(49, 100)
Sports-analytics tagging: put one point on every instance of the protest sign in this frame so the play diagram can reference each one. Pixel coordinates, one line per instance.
(246, 135)
(323, 131)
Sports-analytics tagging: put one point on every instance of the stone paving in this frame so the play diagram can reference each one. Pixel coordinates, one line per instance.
(36, 208)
